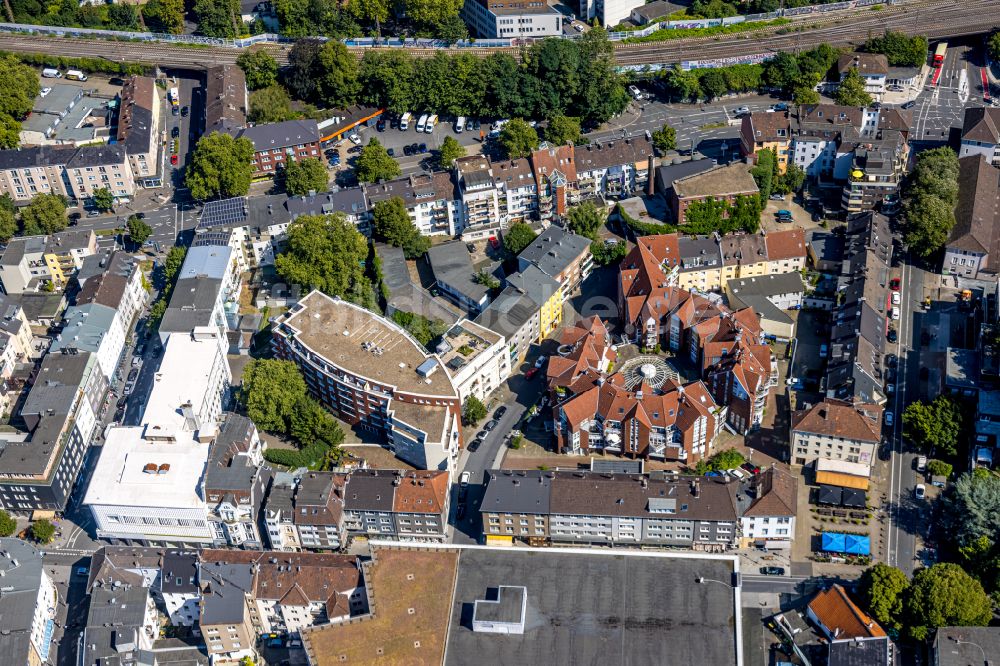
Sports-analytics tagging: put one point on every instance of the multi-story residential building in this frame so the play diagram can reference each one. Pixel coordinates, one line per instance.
(872, 67)
(560, 254)
(517, 317)
(769, 521)
(769, 296)
(236, 483)
(114, 280)
(560, 507)
(39, 467)
(355, 205)
(476, 359)
(981, 133)
(971, 250)
(96, 329)
(877, 171)
(28, 604)
(29, 260)
(206, 293)
(556, 180)
(228, 617)
(431, 200)
(316, 509)
(276, 143)
(544, 291)
(93, 168)
(489, 19)
(64, 254)
(586, 353)
(767, 131)
(518, 190)
(30, 171)
(139, 128)
(15, 336)
(616, 169)
(480, 196)
(455, 276)
(723, 183)
(226, 102)
(375, 376)
(121, 621)
(279, 515)
(836, 430)
(179, 586)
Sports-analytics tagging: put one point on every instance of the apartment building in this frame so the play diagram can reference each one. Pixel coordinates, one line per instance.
(769, 296)
(489, 19)
(586, 353)
(28, 261)
(480, 196)
(96, 329)
(114, 280)
(767, 131)
(226, 97)
(769, 521)
(971, 250)
(836, 430)
(560, 254)
(723, 183)
(236, 483)
(34, 170)
(387, 385)
(228, 617)
(581, 507)
(516, 316)
(872, 67)
(121, 620)
(92, 168)
(475, 358)
(518, 190)
(276, 143)
(556, 180)
(140, 130)
(544, 291)
(15, 336)
(28, 603)
(618, 168)
(206, 294)
(981, 133)
(609, 12)
(455, 276)
(431, 200)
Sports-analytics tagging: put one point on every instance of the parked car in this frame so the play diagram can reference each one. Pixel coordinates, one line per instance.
(920, 492)
(541, 361)
(380, 126)
(174, 159)
(501, 410)
(422, 148)
(634, 91)
(185, 111)
(490, 425)
(741, 111)
(780, 106)
(892, 336)
(407, 151)
(921, 463)
(531, 373)
(465, 478)
(355, 139)
(896, 298)
(894, 284)
(891, 360)
(777, 197)
(390, 152)
(889, 418)
(772, 571)
(894, 313)
(474, 445)
(175, 132)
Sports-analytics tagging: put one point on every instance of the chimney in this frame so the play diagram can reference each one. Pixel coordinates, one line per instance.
(696, 488)
(651, 181)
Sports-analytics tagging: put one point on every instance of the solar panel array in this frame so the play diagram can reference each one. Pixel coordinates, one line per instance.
(222, 213)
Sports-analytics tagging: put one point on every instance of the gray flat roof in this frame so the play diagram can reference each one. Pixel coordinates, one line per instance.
(508, 312)
(597, 608)
(517, 492)
(554, 250)
(452, 266)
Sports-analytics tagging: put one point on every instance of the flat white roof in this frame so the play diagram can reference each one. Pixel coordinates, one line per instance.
(843, 467)
(120, 478)
(183, 376)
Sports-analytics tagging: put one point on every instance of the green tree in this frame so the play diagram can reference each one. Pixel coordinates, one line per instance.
(422, 329)
(945, 596)
(20, 87)
(138, 230)
(375, 11)
(218, 18)
(302, 77)
(665, 139)
(8, 225)
(993, 46)
(934, 427)
(10, 132)
(900, 49)
(682, 84)
(929, 199)
(221, 166)
(712, 83)
(586, 219)
(123, 17)
(103, 199)
(271, 105)
(46, 214)
(607, 255)
(392, 224)
(517, 139)
(882, 590)
(727, 459)
(42, 531)
(486, 278)
(972, 508)
(805, 95)
(7, 524)
(304, 176)
(791, 181)
(851, 91)
(562, 130)
(744, 214)
(939, 468)
(164, 15)
(473, 411)
(338, 84)
(325, 252)
(518, 236)
(260, 68)
(449, 151)
(431, 12)
(764, 172)
(387, 79)
(601, 94)
(271, 391)
(374, 164)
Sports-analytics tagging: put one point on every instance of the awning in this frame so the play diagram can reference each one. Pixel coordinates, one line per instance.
(842, 480)
(499, 540)
(854, 498)
(829, 495)
(852, 544)
(40, 514)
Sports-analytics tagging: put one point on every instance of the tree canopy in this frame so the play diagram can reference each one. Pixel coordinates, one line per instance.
(374, 164)
(138, 230)
(304, 176)
(164, 15)
(972, 508)
(517, 237)
(220, 166)
(561, 130)
(103, 199)
(665, 139)
(392, 224)
(934, 427)
(883, 589)
(46, 214)
(8, 225)
(449, 151)
(929, 199)
(900, 49)
(945, 596)
(325, 252)
(218, 18)
(42, 531)
(517, 139)
(260, 68)
(7, 524)
(473, 411)
(586, 219)
(271, 105)
(851, 91)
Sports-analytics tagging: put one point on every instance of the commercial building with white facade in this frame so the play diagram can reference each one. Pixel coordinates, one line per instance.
(769, 520)
(836, 430)
(476, 358)
(490, 19)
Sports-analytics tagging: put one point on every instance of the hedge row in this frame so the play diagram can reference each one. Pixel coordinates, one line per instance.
(86, 64)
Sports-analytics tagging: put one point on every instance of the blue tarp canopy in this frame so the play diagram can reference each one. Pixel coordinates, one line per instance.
(852, 544)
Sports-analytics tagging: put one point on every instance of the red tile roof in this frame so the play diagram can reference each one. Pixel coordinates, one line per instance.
(841, 616)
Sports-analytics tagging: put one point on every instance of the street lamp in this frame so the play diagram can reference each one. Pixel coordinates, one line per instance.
(959, 641)
(701, 580)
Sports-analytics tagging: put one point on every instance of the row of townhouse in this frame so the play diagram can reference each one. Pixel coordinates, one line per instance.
(133, 160)
(655, 509)
(231, 597)
(30, 262)
(321, 510)
(864, 150)
(39, 467)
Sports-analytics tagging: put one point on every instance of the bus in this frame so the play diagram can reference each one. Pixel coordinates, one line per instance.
(939, 53)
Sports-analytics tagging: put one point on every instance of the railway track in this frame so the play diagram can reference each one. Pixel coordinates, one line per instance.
(934, 19)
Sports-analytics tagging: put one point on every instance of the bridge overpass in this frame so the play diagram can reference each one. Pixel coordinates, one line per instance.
(933, 18)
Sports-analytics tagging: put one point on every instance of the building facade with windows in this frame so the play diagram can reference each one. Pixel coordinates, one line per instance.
(836, 430)
(277, 143)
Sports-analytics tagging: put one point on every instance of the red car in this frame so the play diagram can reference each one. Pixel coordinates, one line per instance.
(173, 159)
(894, 284)
(531, 373)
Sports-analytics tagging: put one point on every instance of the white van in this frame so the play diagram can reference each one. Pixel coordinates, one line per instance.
(422, 123)
(404, 121)
(460, 125)
(431, 124)
(50, 73)
(75, 75)
(496, 128)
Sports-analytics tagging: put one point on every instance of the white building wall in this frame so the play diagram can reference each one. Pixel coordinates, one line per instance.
(45, 605)
(161, 524)
(780, 528)
(990, 151)
(182, 609)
